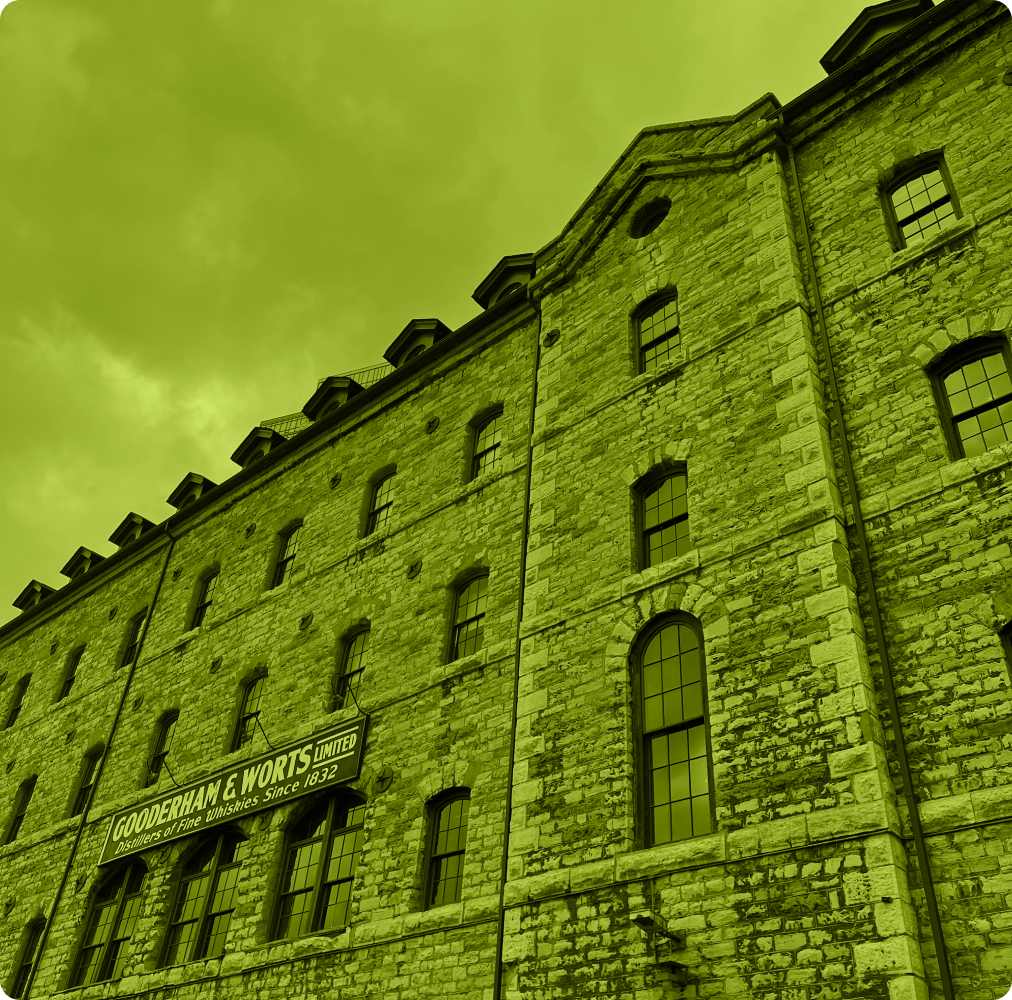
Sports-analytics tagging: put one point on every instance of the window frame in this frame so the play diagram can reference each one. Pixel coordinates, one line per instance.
(645, 487)
(952, 361)
(335, 802)
(196, 949)
(18, 701)
(109, 956)
(22, 971)
(70, 673)
(644, 311)
(135, 636)
(87, 780)
(436, 807)
(238, 742)
(644, 833)
(918, 167)
(166, 733)
(205, 598)
(456, 625)
(373, 522)
(22, 802)
(344, 675)
(284, 566)
(475, 456)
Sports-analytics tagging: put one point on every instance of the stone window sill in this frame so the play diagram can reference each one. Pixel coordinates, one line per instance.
(901, 258)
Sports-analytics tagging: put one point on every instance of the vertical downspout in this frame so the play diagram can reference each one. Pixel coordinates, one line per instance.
(98, 774)
(920, 847)
(524, 531)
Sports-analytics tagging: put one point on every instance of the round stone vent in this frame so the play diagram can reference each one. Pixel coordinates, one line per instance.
(649, 217)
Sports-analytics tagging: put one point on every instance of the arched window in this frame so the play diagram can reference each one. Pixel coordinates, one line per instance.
(73, 661)
(675, 760)
(469, 619)
(321, 858)
(205, 899)
(352, 666)
(658, 334)
(249, 710)
(921, 202)
(380, 503)
(22, 800)
(508, 290)
(23, 970)
(87, 784)
(448, 841)
(663, 517)
(110, 925)
(204, 600)
(134, 638)
(487, 439)
(974, 393)
(18, 700)
(414, 352)
(286, 556)
(163, 744)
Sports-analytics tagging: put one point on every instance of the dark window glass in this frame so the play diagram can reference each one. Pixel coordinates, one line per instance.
(286, 556)
(21, 802)
(320, 864)
(676, 758)
(659, 336)
(449, 837)
(979, 396)
(247, 722)
(922, 205)
(382, 501)
(71, 674)
(665, 520)
(109, 927)
(414, 352)
(352, 666)
(205, 600)
(18, 701)
(206, 900)
(469, 625)
(87, 783)
(508, 290)
(24, 967)
(134, 639)
(163, 745)
(486, 446)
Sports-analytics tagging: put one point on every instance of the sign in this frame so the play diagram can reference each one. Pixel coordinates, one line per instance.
(319, 761)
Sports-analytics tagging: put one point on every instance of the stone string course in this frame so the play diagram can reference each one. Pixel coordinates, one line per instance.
(810, 888)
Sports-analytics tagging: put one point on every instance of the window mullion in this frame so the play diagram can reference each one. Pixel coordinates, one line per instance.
(316, 919)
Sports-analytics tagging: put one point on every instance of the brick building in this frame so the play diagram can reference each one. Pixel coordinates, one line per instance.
(645, 636)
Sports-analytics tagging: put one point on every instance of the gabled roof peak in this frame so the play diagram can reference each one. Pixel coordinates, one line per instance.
(32, 594)
(256, 444)
(80, 562)
(130, 529)
(191, 488)
(870, 27)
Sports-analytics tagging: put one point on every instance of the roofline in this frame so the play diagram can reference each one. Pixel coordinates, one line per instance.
(174, 525)
(938, 14)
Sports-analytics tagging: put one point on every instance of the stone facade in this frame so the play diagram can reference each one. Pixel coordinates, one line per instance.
(810, 886)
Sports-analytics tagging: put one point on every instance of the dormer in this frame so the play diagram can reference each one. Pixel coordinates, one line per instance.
(130, 529)
(870, 27)
(509, 275)
(330, 394)
(32, 594)
(191, 488)
(80, 562)
(256, 444)
(419, 335)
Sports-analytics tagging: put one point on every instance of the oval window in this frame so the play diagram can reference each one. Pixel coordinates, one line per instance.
(649, 217)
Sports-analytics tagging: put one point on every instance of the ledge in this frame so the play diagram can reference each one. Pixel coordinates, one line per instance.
(901, 258)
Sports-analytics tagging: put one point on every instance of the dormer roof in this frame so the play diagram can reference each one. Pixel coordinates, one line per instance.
(517, 269)
(870, 27)
(418, 333)
(130, 528)
(80, 562)
(332, 392)
(32, 594)
(256, 444)
(191, 488)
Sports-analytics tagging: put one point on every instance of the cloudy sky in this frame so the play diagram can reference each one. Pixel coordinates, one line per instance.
(208, 205)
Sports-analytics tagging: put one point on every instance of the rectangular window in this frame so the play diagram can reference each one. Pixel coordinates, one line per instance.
(382, 501)
(659, 336)
(286, 556)
(24, 969)
(922, 204)
(665, 519)
(134, 639)
(87, 783)
(71, 675)
(469, 628)
(204, 601)
(18, 701)
(449, 842)
(486, 446)
(21, 803)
